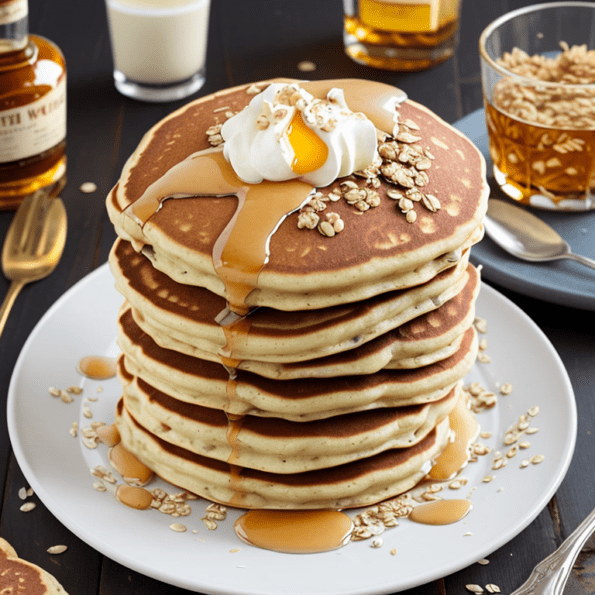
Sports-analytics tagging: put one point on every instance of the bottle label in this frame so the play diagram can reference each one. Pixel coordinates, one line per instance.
(33, 128)
(12, 11)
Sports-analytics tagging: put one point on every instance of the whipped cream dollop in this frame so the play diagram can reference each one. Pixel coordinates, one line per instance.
(286, 133)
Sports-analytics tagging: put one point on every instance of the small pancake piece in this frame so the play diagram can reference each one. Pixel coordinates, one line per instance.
(17, 576)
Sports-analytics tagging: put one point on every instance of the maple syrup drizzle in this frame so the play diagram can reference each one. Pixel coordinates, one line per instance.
(97, 367)
(456, 453)
(235, 332)
(441, 512)
(235, 481)
(128, 466)
(241, 250)
(234, 426)
(123, 461)
(134, 497)
(295, 532)
(108, 435)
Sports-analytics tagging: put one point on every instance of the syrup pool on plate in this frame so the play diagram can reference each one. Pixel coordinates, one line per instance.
(295, 532)
(128, 466)
(441, 512)
(97, 367)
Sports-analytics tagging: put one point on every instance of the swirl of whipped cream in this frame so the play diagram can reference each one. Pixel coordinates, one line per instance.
(286, 133)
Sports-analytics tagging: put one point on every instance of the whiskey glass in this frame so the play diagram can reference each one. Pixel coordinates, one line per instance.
(401, 35)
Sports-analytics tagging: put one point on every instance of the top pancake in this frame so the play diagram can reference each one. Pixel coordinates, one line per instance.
(377, 251)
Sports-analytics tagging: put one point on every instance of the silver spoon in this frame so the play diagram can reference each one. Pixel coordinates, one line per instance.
(525, 236)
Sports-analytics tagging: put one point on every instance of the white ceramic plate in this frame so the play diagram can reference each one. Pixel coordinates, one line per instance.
(57, 466)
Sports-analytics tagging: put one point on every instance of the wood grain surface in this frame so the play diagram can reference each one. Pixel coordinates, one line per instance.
(250, 41)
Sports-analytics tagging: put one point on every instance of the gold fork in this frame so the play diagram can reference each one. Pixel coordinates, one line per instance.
(33, 245)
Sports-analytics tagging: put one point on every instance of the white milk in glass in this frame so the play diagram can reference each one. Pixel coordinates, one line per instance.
(158, 42)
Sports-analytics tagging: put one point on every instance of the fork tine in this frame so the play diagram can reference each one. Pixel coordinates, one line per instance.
(25, 223)
(30, 240)
(43, 230)
(28, 206)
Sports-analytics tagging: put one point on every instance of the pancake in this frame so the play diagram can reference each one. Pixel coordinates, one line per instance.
(20, 576)
(182, 318)
(280, 446)
(302, 269)
(351, 485)
(200, 382)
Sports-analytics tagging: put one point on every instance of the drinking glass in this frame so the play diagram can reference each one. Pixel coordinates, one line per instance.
(158, 47)
(401, 35)
(538, 77)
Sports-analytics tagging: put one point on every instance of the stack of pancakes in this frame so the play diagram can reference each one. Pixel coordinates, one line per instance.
(322, 372)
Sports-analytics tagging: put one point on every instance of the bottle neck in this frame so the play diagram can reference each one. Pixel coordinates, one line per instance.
(14, 25)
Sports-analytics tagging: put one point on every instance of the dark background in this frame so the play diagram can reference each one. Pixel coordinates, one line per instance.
(249, 41)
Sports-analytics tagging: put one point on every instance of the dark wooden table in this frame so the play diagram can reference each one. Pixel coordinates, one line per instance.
(250, 41)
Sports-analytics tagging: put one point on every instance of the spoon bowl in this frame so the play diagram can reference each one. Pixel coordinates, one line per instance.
(526, 236)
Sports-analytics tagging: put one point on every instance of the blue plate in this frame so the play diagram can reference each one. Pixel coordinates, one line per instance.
(561, 282)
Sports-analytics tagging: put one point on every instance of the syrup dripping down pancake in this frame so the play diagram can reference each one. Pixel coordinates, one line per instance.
(363, 337)
(350, 485)
(200, 382)
(280, 446)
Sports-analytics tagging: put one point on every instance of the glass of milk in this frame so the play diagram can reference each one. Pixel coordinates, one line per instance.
(159, 47)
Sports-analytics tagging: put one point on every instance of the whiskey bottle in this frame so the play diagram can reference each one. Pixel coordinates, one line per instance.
(32, 109)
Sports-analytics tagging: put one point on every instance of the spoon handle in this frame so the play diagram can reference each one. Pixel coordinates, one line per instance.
(13, 291)
(582, 259)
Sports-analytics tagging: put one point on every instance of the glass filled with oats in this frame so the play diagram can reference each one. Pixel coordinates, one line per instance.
(538, 77)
